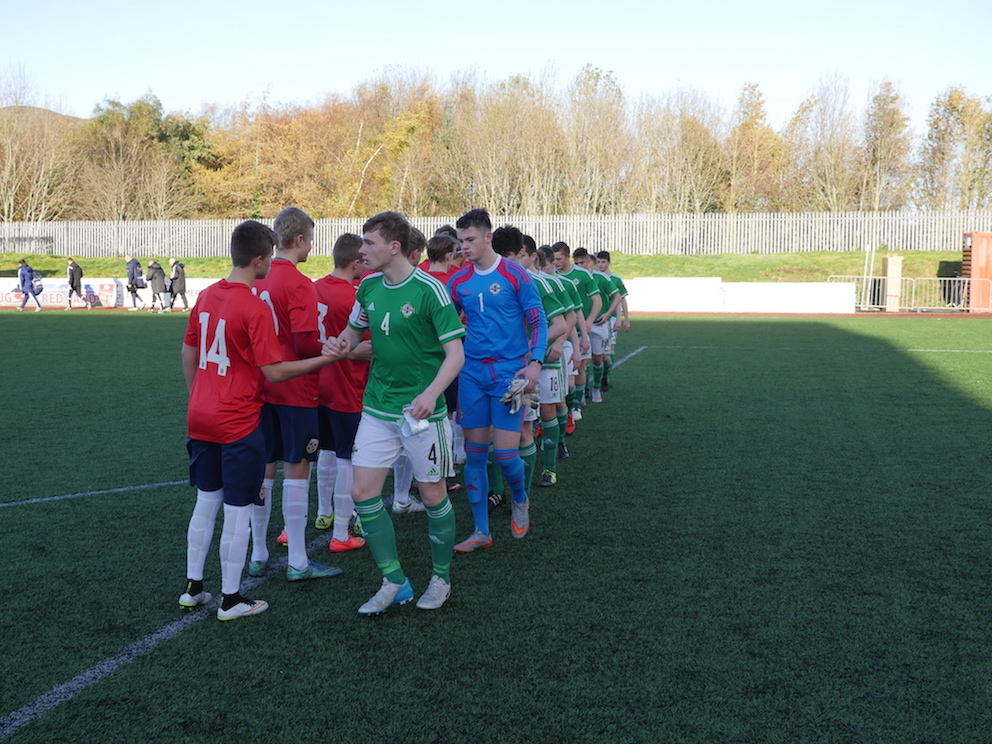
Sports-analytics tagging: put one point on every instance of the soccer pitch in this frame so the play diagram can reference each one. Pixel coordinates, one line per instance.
(774, 529)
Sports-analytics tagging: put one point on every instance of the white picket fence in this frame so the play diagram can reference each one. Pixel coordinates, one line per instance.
(670, 234)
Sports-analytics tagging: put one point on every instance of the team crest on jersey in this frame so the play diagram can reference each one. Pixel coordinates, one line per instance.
(495, 288)
(407, 310)
(312, 446)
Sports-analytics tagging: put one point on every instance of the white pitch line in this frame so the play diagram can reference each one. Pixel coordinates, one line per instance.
(92, 493)
(68, 690)
(634, 353)
(820, 348)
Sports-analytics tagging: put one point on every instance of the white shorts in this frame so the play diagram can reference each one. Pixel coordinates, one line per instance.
(566, 359)
(379, 442)
(551, 387)
(599, 339)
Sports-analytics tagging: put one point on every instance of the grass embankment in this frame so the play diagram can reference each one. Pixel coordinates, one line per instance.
(778, 267)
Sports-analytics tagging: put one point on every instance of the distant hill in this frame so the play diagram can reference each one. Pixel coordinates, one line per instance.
(35, 111)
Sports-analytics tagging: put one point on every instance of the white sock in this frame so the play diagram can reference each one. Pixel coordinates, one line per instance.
(295, 498)
(234, 546)
(201, 531)
(260, 516)
(402, 479)
(344, 506)
(326, 475)
(458, 438)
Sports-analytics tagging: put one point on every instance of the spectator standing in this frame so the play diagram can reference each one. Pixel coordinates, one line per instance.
(156, 281)
(74, 276)
(25, 280)
(135, 281)
(178, 277)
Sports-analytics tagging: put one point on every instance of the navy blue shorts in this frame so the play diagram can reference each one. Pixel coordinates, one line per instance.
(237, 467)
(451, 396)
(337, 431)
(292, 433)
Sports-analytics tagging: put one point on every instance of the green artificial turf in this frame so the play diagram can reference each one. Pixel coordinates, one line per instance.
(773, 530)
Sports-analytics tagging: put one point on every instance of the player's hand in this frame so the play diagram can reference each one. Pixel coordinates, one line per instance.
(422, 406)
(531, 373)
(583, 345)
(335, 347)
(626, 326)
(554, 353)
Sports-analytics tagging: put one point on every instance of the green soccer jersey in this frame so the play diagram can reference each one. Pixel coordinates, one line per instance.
(409, 323)
(584, 285)
(606, 290)
(551, 302)
(618, 283)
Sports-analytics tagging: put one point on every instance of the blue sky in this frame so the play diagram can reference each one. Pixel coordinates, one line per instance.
(188, 54)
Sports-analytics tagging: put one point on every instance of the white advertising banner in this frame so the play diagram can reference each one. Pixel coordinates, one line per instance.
(101, 292)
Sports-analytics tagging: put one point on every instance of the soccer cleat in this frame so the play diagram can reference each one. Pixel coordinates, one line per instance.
(257, 568)
(495, 500)
(538, 432)
(520, 521)
(562, 451)
(313, 571)
(188, 601)
(342, 546)
(324, 521)
(548, 478)
(389, 594)
(409, 507)
(597, 395)
(283, 538)
(476, 541)
(436, 595)
(570, 425)
(606, 385)
(244, 608)
(577, 414)
(355, 526)
(452, 486)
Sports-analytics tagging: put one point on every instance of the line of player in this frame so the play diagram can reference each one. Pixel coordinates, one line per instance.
(281, 368)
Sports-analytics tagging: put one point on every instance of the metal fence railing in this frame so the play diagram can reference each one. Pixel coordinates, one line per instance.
(669, 234)
(923, 295)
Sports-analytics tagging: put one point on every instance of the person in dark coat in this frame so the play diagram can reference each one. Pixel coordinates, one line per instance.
(74, 276)
(25, 282)
(156, 280)
(135, 281)
(178, 278)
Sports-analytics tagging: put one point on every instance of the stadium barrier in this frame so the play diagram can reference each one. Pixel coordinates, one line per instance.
(921, 295)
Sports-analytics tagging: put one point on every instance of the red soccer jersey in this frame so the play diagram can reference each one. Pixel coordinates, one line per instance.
(442, 276)
(233, 335)
(342, 383)
(293, 300)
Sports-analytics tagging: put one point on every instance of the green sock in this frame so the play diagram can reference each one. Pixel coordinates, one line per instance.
(528, 453)
(381, 537)
(597, 375)
(549, 441)
(607, 365)
(441, 528)
(495, 474)
(562, 423)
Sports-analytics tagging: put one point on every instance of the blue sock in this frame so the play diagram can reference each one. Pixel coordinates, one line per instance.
(513, 473)
(477, 484)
